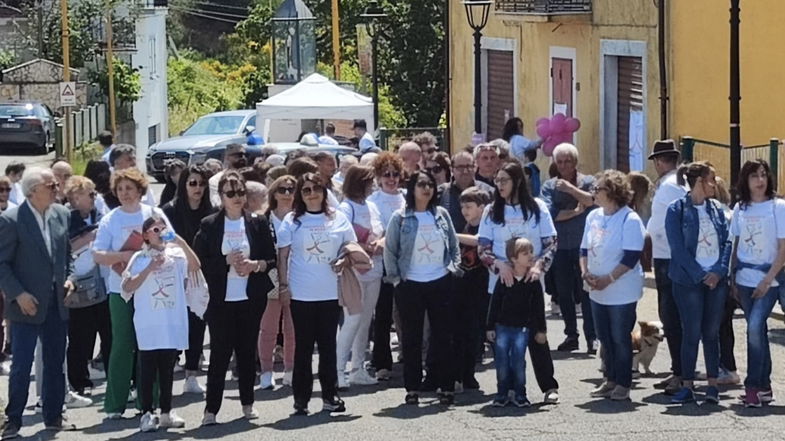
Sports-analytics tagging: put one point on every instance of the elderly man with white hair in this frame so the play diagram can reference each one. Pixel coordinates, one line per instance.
(569, 198)
(36, 232)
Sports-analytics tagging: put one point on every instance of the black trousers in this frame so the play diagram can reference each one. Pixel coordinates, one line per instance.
(234, 328)
(470, 294)
(727, 339)
(157, 364)
(196, 327)
(414, 300)
(382, 322)
(542, 363)
(314, 322)
(669, 313)
(83, 325)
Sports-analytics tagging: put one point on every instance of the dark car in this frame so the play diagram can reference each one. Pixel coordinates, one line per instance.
(26, 125)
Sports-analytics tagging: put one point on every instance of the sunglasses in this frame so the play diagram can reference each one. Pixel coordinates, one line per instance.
(425, 184)
(501, 181)
(232, 193)
(156, 230)
(285, 190)
(5, 189)
(436, 169)
(239, 155)
(196, 183)
(596, 189)
(391, 174)
(306, 191)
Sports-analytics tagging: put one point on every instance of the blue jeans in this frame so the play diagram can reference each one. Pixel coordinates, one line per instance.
(705, 308)
(756, 312)
(614, 330)
(53, 333)
(569, 288)
(510, 355)
(669, 313)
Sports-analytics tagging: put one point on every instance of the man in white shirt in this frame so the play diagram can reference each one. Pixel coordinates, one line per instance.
(329, 134)
(106, 140)
(123, 156)
(666, 158)
(365, 140)
(14, 172)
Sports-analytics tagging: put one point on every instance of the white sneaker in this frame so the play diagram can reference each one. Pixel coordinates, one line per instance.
(114, 416)
(209, 419)
(149, 423)
(249, 413)
(131, 395)
(383, 374)
(551, 396)
(96, 374)
(75, 401)
(178, 368)
(728, 377)
(192, 386)
(360, 377)
(5, 368)
(266, 381)
(342, 383)
(287, 378)
(171, 419)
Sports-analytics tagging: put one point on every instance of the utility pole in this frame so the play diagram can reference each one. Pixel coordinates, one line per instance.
(39, 15)
(110, 72)
(735, 95)
(66, 34)
(336, 40)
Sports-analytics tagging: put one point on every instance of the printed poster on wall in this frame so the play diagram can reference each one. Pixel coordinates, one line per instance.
(637, 154)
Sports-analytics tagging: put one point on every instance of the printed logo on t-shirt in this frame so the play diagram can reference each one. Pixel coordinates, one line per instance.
(752, 236)
(707, 239)
(425, 244)
(317, 245)
(165, 295)
(596, 241)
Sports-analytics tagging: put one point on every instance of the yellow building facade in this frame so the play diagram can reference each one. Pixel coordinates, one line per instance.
(601, 64)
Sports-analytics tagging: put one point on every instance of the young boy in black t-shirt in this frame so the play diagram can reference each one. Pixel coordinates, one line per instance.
(471, 292)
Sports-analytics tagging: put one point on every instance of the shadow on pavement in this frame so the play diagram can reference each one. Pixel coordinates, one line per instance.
(740, 410)
(490, 411)
(605, 406)
(295, 422)
(410, 411)
(563, 355)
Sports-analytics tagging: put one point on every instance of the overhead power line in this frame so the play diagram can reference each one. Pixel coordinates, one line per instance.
(211, 17)
(218, 5)
(204, 11)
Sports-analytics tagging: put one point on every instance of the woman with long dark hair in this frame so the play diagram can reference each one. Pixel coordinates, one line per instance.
(699, 240)
(237, 251)
(190, 205)
(519, 144)
(758, 229)
(421, 252)
(99, 172)
(515, 213)
(309, 239)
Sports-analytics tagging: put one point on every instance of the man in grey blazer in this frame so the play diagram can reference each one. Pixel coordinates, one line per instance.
(35, 267)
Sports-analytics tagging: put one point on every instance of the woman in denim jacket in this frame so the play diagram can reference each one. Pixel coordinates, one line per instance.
(421, 252)
(697, 233)
(758, 228)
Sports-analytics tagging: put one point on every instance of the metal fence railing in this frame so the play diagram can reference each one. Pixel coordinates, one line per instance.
(719, 155)
(390, 138)
(545, 6)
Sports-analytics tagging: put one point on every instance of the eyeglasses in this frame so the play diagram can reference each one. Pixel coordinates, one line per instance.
(463, 168)
(596, 189)
(5, 189)
(232, 193)
(436, 169)
(425, 184)
(501, 181)
(391, 174)
(306, 191)
(285, 190)
(196, 183)
(51, 185)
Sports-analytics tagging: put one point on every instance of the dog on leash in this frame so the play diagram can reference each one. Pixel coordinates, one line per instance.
(645, 340)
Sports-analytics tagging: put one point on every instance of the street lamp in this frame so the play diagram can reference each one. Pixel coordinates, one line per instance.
(735, 95)
(373, 15)
(477, 13)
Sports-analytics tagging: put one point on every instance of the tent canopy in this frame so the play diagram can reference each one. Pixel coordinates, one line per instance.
(316, 97)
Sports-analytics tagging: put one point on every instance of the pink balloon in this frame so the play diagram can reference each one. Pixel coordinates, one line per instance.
(542, 121)
(544, 130)
(572, 125)
(559, 117)
(558, 126)
(549, 145)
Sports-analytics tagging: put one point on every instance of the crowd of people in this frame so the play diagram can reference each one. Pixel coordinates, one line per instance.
(300, 253)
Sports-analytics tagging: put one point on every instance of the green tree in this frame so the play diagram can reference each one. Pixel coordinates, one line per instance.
(127, 81)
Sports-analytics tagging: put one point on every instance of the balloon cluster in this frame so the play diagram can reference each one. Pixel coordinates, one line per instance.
(556, 130)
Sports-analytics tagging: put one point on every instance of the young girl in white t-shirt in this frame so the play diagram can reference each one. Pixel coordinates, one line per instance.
(156, 278)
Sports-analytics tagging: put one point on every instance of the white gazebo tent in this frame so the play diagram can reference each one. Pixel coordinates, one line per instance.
(315, 97)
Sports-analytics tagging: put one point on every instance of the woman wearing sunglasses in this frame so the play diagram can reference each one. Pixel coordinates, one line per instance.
(388, 199)
(421, 250)
(237, 251)
(309, 238)
(118, 237)
(190, 205)
(281, 200)
(439, 166)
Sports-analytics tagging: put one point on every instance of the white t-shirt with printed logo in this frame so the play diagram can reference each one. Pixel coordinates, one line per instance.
(427, 262)
(115, 228)
(366, 216)
(387, 204)
(235, 239)
(758, 226)
(707, 252)
(515, 226)
(160, 308)
(315, 240)
(606, 238)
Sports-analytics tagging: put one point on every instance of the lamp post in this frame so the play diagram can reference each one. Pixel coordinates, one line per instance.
(735, 95)
(373, 15)
(477, 13)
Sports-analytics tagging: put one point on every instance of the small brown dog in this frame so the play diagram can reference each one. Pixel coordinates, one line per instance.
(644, 345)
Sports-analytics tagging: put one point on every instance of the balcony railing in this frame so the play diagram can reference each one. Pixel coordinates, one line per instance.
(545, 7)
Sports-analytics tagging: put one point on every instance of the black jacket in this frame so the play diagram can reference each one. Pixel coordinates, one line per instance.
(520, 305)
(207, 245)
(186, 222)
